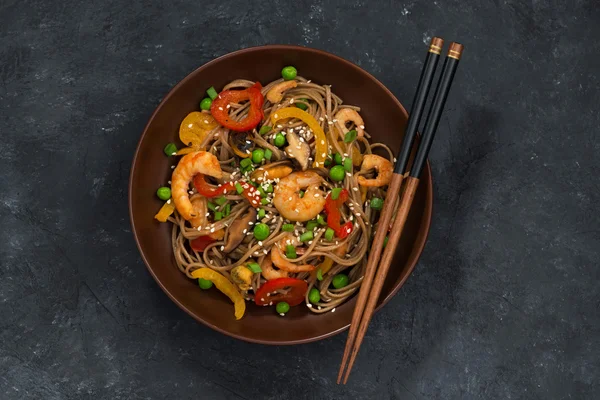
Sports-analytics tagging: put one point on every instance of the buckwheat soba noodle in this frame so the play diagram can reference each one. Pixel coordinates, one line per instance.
(276, 195)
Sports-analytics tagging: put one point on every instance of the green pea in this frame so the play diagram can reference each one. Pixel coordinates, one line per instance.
(307, 236)
(258, 155)
(319, 274)
(340, 280)
(261, 231)
(212, 93)
(329, 233)
(337, 173)
(206, 103)
(170, 149)
(314, 296)
(376, 203)
(204, 283)
(164, 193)
(282, 307)
(288, 73)
(337, 157)
(279, 140)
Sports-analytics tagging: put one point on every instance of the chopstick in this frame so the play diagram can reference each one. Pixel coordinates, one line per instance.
(433, 119)
(427, 73)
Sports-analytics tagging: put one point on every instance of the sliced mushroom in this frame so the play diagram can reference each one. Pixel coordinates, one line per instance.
(241, 143)
(276, 93)
(242, 276)
(236, 230)
(276, 170)
(297, 149)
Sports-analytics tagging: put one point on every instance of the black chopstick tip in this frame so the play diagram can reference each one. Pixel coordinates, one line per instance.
(436, 45)
(455, 50)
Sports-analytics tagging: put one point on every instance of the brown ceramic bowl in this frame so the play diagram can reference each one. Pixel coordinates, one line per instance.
(385, 119)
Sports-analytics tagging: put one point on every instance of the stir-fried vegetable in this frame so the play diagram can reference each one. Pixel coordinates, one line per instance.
(194, 128)
(220, 109)
(332, 206)
(207, 190)
(201, 243)
(321, 145)
(266, 294)
(226, 287)
(167, 209)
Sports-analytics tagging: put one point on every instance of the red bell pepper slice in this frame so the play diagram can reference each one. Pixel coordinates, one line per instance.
(208, 190)
(201, 243)
(332, 207)
(220, 112)
(293, 297)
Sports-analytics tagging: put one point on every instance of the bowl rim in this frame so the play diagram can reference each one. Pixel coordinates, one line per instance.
(419, 244)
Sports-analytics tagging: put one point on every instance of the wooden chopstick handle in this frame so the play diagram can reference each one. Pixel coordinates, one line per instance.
(386, 260)
(372, 262)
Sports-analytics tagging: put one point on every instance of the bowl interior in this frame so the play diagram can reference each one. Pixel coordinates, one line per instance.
(385, 120)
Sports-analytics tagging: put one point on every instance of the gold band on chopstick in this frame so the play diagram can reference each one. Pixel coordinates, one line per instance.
(436, 45)
(455, 50)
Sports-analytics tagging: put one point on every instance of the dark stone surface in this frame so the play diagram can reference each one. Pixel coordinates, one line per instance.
(503, 304)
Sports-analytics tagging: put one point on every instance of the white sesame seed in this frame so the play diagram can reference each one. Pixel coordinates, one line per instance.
(212, 230)
(199, 228)
(309, 305)
(169, 201)
(318, 307)
(361, 126)
(280, 126)
(321, 119)
(221, 108)
(169, 182)
(333, 309)
(190, 125)
(260, 243)
(245, 230)
(222, 248)
(355, 189)
(172, 167)
(174, 153)
(276, 116)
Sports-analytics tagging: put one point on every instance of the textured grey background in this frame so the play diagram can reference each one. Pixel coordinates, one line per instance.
(504, 304)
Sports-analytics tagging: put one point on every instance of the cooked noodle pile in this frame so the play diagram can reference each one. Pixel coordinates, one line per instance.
(348, 255)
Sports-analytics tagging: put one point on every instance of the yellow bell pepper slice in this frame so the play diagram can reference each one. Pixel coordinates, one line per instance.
(194, 128)
(321, 145)
(164, 212)
(225, 286)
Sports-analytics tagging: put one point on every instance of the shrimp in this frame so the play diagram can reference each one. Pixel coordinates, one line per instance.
(268, 272)
(287, 198)
(200, 209)
(282, 262)
(199, 162)
(383, 167)
(346, 115)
